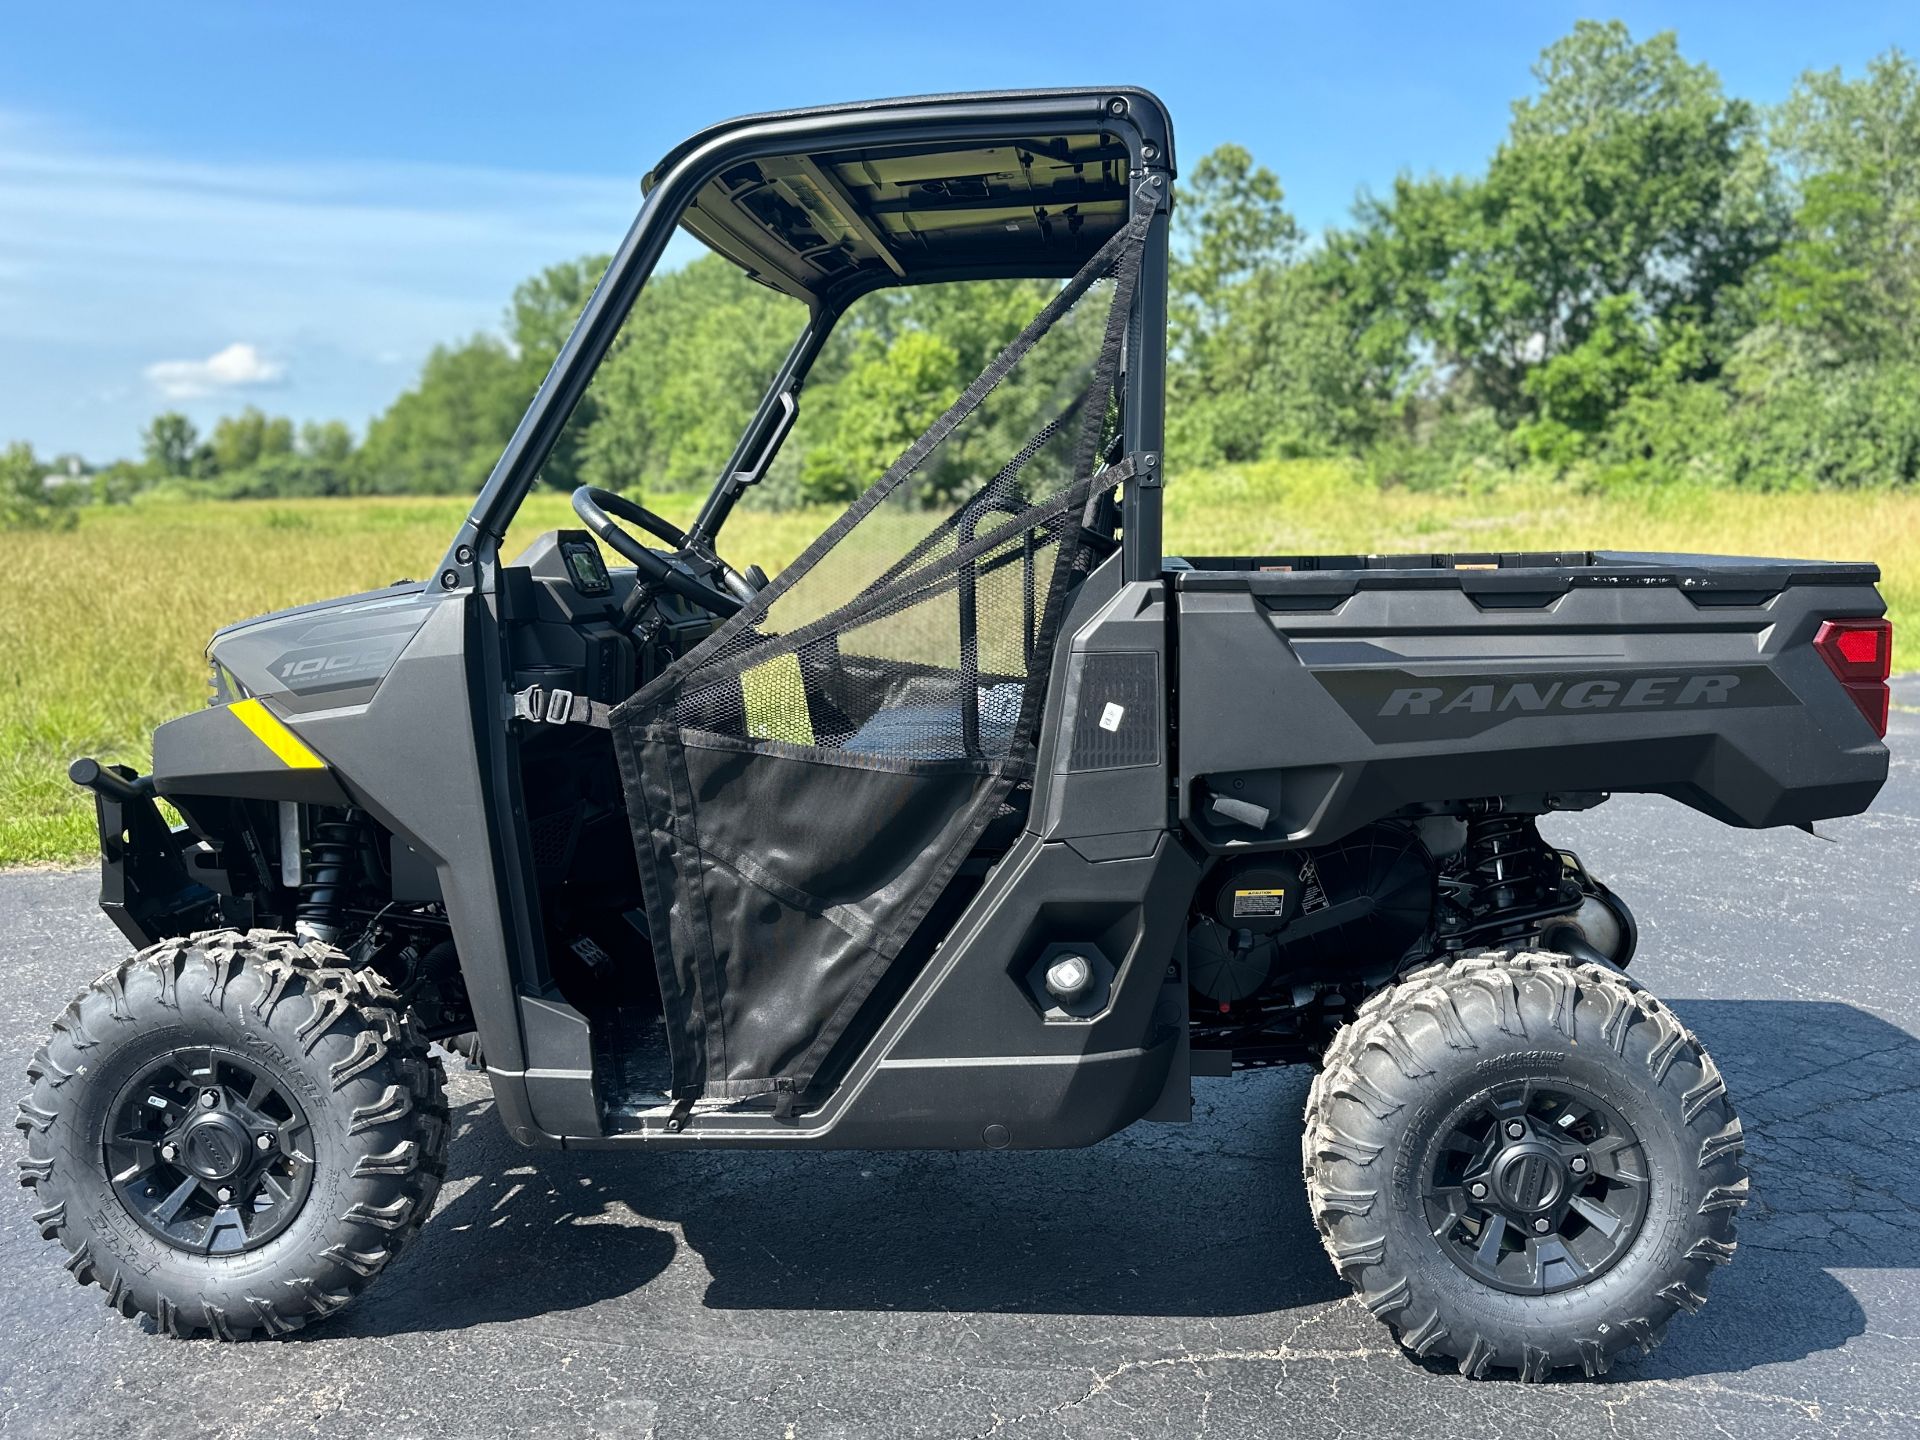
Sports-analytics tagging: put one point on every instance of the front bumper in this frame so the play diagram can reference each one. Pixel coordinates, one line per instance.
(147, 885)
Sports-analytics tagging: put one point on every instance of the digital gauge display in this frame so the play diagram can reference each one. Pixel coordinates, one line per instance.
(585, 567)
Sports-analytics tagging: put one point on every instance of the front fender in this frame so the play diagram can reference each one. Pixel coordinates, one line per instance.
(242, 751)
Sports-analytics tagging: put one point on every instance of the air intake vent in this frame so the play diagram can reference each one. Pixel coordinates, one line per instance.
(1116, 718)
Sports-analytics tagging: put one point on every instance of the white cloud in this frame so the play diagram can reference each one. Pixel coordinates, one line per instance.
(345, 275)
(238, 367)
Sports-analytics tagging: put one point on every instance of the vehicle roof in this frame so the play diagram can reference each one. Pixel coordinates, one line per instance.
(932, 187)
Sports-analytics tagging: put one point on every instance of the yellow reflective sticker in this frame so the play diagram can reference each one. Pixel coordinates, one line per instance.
(268, 729)
(776, 698)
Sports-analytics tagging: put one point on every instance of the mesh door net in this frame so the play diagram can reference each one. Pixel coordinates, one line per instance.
(804, 783)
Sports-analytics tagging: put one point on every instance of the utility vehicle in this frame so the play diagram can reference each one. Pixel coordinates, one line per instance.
(986, 824)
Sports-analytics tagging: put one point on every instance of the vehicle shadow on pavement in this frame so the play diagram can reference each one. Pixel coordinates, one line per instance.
(1824, 1091)
(1158, 1221)
(1208, 1220)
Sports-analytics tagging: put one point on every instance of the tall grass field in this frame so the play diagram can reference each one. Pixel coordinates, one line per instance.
(103, 628)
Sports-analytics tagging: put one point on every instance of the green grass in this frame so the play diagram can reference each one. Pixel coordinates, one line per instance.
(103, 628)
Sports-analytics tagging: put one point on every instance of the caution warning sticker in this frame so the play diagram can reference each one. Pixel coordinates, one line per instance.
(1248, 904)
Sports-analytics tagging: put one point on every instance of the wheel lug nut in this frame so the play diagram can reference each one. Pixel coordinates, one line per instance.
(1541, 1226)
(1515, 1129)
(264, 1142)
(209, 1099)
(225, 1195)
(1477, 1190)
(167, 1152)
(1579, 1165)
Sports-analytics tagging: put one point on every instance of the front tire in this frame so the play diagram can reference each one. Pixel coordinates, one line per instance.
(233, 1134)
(1522, 1164)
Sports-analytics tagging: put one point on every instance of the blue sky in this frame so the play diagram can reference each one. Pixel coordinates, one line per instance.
(209, 205)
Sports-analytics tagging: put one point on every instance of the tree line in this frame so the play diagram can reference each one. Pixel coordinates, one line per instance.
(1651, 281)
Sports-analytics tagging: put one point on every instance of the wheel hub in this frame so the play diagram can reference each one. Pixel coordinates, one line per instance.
(1530, 1177)
(209, 1151)
(216, 1146)
(1535, 1186)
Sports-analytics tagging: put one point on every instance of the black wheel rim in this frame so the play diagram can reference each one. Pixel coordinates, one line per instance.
(1535, 1187)
(209, 1151)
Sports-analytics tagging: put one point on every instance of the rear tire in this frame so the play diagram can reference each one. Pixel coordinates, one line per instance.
(233, 1134)
(1619, 1115)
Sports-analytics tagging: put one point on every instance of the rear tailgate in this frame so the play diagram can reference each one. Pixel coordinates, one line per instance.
(1334, 690)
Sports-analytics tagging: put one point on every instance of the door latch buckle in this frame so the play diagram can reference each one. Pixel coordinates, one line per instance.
(558, 707)
(543, 706)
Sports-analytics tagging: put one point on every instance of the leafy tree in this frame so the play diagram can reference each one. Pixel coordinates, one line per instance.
(1284, 377)
(691, 363)
(26, 502)
(1850, 274)
(1262, 340)
(328, 440)
(1629, 185)
(290, 475)
(976, 320)
(1235, 236)
(1820, 390)
(912, 352)
(1578, 391)
(118, 483)
(242, 441)
(443, 436)
(1784, 416)
(1389, 267)
(172, 447)
(1234, 225)
(886, 399)
(539, 320)
(543, 309)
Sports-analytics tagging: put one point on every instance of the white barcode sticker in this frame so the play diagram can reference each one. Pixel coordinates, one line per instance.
(1111, 716)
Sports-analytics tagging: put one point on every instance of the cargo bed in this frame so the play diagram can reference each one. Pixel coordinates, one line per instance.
(1395, 680)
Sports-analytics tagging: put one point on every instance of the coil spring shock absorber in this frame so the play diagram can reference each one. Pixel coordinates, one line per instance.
(1502, 853)
(1504, 881)
(329, 874)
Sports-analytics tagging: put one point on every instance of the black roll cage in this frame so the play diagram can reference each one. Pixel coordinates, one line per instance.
(1134, 115)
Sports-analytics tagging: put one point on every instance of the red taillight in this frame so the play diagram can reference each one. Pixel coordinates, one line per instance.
(1860, 654)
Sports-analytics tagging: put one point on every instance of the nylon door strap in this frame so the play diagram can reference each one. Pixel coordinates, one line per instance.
(559, 707)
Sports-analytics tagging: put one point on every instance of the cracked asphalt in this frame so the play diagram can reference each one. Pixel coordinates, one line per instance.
(1166, 1282)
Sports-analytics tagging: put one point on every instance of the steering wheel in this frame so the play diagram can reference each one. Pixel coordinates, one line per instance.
(670, 572)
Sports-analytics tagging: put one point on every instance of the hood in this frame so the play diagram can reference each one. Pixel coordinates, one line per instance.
(319, 656)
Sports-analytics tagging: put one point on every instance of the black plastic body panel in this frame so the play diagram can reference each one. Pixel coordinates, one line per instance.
(428, 756)
(1334, 696)
(966, 1061)
(1104, 749)
(209, 752)
(316, 657)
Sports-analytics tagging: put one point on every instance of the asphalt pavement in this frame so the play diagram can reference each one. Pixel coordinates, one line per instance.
(1166, 1282)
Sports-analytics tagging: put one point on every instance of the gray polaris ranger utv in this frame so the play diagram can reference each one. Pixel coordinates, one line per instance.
(984, 825)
